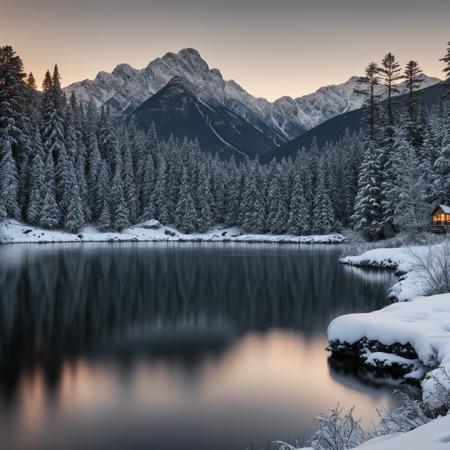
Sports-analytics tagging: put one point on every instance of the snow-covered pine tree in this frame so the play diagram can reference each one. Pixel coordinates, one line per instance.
(412, 209)
(252, 211)
(446, 70)
(102, 189)
(50, 216)
(414, 77)
(129, 186)
(204, 201)
(324, 219)
(367, 216)
(9, 186)
(74, 216)
(37, 181)
(15, 131)
(368, 83)
(276, 212)
(185, 214)
(233, 193)
(80, 168)
(298, 221)
(71, 139)
(118, 207)
(107, 139)
(104, 221)
(2, 209)
(441, 186)
(160, 192)
(218, 190)
(351, 162)
(390, 71)
(147, 189)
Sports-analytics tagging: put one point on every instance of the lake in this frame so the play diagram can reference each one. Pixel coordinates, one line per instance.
(175, 346)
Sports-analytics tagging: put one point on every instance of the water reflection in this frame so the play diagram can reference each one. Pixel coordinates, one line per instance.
(130, 343)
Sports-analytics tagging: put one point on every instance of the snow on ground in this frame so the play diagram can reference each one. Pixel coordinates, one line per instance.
(13, 232)
(431, 436)
(400, 259)
(422, 322)
(434, 435)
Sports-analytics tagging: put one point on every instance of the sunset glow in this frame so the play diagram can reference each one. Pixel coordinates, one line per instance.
(270, 48)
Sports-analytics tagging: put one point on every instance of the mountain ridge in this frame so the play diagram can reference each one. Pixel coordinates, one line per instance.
(334, 128)
(218, 129)
(125, 88)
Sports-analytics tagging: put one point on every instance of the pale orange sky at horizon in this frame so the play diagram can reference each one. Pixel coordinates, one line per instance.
(291, 48)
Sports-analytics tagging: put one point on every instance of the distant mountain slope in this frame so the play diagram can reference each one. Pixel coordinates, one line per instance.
(333, 129)
(218, 129)
(286, 118)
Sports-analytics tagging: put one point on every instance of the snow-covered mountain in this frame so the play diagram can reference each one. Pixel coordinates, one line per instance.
(218, 129)
(286, 118)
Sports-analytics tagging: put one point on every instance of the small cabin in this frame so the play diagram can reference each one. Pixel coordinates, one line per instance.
(441, 215)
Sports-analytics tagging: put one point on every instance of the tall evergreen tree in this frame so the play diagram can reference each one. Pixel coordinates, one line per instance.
(298, 222)
(102, 191)
(9, 185)
(368, 84)
(414, 77)
(205, 219)
(367, 216)
(74, 216)
(446, 70)
(185, 211)
(323, 217)
(390, 71)
(37, 181)
(15, 129)
(50, 216)
(118, 207)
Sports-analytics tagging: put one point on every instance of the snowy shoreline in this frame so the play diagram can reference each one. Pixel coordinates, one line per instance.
(410, 337)
(13, 232)
(399, 259)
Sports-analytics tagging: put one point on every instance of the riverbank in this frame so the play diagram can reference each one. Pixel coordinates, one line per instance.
(410, 338)
(13, 232)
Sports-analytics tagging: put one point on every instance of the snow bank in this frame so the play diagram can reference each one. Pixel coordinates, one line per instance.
(424, 324)
(431, 436)
(434, 435)
(14, 232)
(410, 284)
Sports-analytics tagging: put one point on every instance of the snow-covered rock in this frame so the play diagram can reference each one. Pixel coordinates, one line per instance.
(126, 88)
(403, 331)
(13, 232)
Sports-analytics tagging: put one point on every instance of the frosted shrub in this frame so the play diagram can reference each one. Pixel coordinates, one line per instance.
(411, 414)
(432, 267)
(338, 431)
(437, 391)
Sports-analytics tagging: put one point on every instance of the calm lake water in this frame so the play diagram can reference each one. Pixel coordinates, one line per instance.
(174, 347)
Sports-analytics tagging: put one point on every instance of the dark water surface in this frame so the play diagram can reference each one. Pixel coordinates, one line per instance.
(174, 347)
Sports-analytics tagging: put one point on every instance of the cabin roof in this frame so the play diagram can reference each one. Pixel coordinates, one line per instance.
(444, 208)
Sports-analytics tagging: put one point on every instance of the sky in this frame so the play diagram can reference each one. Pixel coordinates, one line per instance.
(271, 48)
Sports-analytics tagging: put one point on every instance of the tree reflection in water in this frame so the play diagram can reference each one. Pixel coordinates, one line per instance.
(163, 301)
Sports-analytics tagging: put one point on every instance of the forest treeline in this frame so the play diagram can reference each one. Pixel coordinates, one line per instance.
(67, 164)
